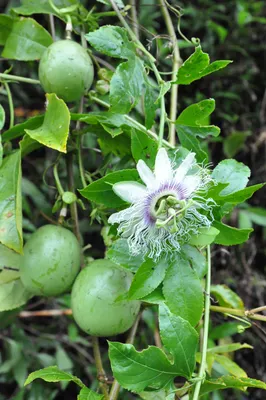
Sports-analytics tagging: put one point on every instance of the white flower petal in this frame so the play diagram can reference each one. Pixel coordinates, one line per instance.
(163, 169)
(146, 174)
(185, 166)
(129, 191)
(190, 184)
(123, 215)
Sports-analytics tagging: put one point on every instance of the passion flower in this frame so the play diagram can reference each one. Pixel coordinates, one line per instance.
(166, 212)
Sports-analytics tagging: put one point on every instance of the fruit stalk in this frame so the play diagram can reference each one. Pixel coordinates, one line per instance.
(100, 371)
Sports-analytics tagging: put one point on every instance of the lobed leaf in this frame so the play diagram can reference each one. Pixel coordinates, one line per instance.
(150, 367)
(229, 235)
(235, 173)
(197, 66)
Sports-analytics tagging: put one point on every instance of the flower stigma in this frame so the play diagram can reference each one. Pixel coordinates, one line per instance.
(166, 212)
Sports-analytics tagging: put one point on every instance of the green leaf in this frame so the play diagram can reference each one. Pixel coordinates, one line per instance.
(195, 116)
(119, 253)
(226, 382)
(29, 7)
(53, 374)
(230, 366)
(13, 295)
(180, 339)
(2, 123)
(112, 41)
(226, 297)
(10, 202)
(102, 192)
(233, 143)
(197, 66)
(188, 140)
(127, 85)
(229, 236)
(148, 277)
(226, 330)
(27, 145)
(227, 348)
(54, 131)
(234, 173)
(182, 291)
(238, 197)
(196, 259)
(257, 215)
(27, 40)
(205, 237)
(143, 148)
(149, 367)
(150, 105)
(6, 23)
(8, 259)
(19, 129)
(87, 394)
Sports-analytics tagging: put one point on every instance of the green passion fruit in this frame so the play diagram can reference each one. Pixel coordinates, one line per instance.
(51, 261)
(66, 69)
(93, 299)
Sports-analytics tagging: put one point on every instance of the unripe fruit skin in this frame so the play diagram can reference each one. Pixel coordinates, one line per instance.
(93, 299)
(66, 69)
(51, 261)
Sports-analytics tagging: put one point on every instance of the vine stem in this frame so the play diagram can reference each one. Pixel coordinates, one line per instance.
(100, 371)
(11, 105)
(133, 121)
(71, 187)
(19, 79)
(152, 60)
(175, 66)
(241, 313)
(130, 340)
(205, 328)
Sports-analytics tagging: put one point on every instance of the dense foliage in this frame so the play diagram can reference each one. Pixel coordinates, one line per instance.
(115, 159)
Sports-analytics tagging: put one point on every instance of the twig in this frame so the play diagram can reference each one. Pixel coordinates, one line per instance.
(45, 313)
(11, 105)
(205, 329)
(134, 17)
(134, 122)
(258, 309)
(152, 61)
(52, 26)
(19, 79)
(130, 340)
(241, 313)
(71, 187)
(100, 371)
(176, 62)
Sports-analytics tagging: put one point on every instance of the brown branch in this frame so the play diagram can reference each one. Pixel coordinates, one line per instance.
(101, 376)
(45, 313)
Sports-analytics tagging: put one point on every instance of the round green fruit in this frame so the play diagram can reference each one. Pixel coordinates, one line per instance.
(93, 299)
(66, 69)
(51, 261)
